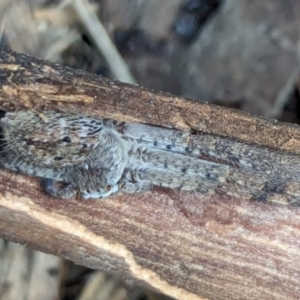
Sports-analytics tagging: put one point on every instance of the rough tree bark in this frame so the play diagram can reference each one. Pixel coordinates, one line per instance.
(185, 246)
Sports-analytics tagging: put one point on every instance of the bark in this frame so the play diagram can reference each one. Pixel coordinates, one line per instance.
(183, 245)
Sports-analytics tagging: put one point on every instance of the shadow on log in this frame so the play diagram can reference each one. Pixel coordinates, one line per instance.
(185, 246)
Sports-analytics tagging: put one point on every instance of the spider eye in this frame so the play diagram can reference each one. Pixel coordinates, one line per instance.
(108, 187)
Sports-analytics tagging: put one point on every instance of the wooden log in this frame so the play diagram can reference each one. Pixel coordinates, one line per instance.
(183, 245)
(27, 82)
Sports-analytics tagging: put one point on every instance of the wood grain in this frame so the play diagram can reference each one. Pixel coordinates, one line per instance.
(27, 82)
(185, 246)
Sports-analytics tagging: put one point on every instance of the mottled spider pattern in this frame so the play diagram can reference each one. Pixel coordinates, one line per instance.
(99, 157)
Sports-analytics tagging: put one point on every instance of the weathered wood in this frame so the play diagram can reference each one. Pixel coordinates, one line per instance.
(186, 246)
(27, 82)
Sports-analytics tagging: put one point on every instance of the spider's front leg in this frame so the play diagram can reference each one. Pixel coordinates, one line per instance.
(53, 189)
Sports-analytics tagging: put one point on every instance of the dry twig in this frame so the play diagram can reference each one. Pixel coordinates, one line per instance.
(102, 41)
(185, 246)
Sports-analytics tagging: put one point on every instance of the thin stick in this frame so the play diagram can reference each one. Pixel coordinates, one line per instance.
(102, 40)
